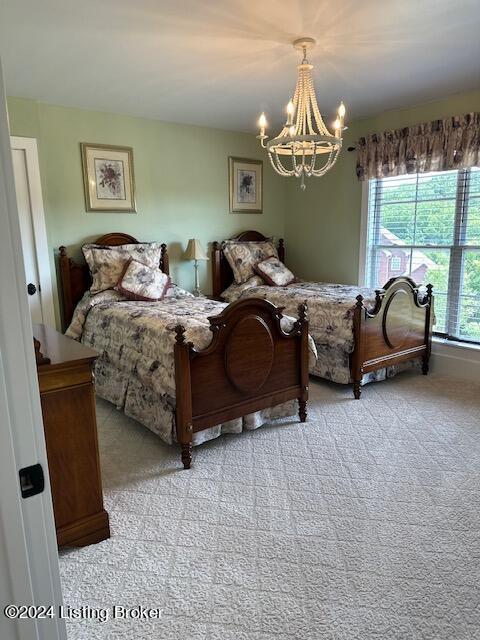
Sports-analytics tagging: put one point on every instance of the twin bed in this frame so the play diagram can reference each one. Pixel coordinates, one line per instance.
(192, 368)
(361, 335)
(188, 368)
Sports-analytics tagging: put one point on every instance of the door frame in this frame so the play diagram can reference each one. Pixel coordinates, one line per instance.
(29, 573)
(29, 146)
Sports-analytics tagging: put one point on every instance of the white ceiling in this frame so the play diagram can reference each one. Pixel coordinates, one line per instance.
(220, 62)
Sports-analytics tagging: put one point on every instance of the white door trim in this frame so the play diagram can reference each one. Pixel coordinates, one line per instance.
(29, 146)
(27, 526)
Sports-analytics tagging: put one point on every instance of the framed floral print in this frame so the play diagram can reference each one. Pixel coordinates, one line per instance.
(108, 177)
(246, 185)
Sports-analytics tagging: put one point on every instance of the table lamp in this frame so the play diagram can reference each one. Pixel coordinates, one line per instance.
(195, 252)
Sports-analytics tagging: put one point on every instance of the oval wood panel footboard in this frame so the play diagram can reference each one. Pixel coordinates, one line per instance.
(398, 328)
(250, 365)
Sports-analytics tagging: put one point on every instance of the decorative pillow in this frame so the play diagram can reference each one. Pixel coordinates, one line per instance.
(274, 272)
(174, 291)
(243, 256)
(235, 290)
(139, 282)
(106, 264)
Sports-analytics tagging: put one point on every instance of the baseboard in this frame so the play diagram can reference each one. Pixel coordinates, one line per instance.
(455, 359)
(89, 530)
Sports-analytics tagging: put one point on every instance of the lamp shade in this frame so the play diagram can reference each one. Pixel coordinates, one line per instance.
(195, 251)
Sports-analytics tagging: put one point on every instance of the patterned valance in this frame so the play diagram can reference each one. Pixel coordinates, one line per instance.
(439, 145)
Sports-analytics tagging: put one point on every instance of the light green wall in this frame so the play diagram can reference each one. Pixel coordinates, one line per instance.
(322, 224)
(181, 175)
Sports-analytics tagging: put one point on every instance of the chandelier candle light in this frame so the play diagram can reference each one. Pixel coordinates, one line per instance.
(304, 144)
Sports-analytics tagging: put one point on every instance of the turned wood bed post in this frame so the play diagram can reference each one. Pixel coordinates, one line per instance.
(216, 276)
(64, 264)
(302, 324)
(358, 348)
(164, 260)
(183, 395)
(428, 333)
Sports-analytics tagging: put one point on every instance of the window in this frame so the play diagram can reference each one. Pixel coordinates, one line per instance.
(396, 263)
(427, 226)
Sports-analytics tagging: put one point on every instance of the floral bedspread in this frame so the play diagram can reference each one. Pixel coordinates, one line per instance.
(330, 307)
(136, 341)
(330, 312)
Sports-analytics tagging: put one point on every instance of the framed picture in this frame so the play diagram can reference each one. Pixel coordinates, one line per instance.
(246, 185)
(108, 177)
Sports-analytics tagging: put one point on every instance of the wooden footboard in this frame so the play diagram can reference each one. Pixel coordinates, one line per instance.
(398, 328)
(251, 364)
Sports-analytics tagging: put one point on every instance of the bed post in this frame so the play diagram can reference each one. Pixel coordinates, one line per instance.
(281, 250)
(357, 355)
(183, 395)
(216, 277)
(428, 333)
(302, 324)
(66, 289)
(164, 260)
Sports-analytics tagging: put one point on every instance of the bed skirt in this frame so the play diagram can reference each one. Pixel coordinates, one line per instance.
(157, 412)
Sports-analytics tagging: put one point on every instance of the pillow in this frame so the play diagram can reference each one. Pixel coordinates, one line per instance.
(139, 282)
(234, 291)
(274, 272)
(174, 291)
(106, 264)
(243, 256)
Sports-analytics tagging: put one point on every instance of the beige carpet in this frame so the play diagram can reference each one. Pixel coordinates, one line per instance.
(364, 523)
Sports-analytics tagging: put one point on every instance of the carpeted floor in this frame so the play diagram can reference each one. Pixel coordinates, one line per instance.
(363, 523)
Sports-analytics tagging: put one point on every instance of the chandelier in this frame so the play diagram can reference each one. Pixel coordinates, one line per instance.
(304, 147)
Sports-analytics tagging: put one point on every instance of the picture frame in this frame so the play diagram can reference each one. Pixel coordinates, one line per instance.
(108, 178)
(246, 185)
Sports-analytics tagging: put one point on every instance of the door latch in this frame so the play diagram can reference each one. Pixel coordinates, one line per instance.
(32, 480)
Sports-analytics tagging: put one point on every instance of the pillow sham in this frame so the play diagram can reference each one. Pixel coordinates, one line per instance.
(140, 282)
(243, 256)
(274, 272)
(107, 263)
(234, 291)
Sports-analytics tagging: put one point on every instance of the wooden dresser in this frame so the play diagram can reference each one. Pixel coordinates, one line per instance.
(68, 408)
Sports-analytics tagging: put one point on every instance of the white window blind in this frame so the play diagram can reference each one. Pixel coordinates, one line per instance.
(427, 226)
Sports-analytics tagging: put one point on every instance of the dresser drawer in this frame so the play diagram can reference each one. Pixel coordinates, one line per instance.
(70, 376)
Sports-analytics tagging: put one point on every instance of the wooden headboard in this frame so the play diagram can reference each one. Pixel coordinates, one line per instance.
(222, 274)
(75, 277)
